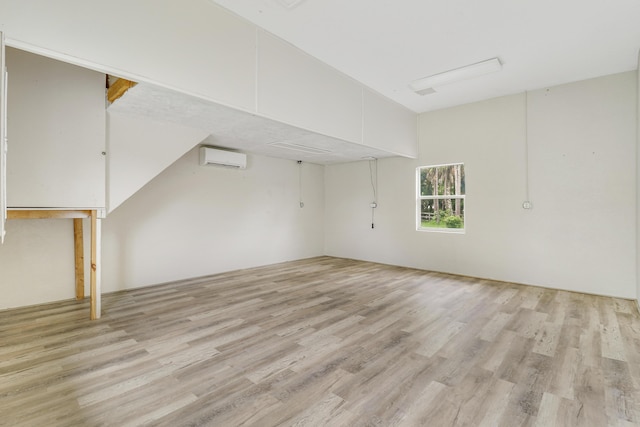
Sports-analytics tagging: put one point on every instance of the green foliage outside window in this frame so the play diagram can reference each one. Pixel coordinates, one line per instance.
(441, 196)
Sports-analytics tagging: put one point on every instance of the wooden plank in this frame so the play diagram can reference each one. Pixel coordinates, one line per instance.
(119, 88)
(95, 266)
(47, 213)
(78, 241)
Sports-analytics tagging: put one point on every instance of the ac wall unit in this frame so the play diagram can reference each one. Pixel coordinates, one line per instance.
(216, 157)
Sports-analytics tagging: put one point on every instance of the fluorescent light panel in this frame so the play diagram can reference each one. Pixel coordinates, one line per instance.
(425, 85)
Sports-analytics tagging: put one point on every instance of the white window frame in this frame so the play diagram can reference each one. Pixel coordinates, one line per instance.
(420, 198)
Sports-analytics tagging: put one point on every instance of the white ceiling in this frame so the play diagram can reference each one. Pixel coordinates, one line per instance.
(231, 128)
(386, 44)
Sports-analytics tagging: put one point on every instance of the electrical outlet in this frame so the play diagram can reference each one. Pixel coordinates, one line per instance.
(526, 205)
(373, 205)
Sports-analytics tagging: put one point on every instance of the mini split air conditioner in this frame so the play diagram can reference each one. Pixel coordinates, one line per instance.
(216, 157)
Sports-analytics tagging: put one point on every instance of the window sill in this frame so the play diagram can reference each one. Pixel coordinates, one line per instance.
(442, 230)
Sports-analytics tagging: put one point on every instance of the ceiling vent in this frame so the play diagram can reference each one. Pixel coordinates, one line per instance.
(299, 147)
(290, 4)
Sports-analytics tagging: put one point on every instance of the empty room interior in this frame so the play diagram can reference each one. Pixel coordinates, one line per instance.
(319, 213)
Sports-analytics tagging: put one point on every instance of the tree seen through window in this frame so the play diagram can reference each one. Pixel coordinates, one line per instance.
(441, 194)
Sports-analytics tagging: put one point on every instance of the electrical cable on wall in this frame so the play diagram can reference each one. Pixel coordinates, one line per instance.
(527, 202)
(301, 202)
(374, 187)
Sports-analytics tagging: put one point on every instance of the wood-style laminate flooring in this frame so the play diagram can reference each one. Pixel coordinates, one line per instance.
(324, 341)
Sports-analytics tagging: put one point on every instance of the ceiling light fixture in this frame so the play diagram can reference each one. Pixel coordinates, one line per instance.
(425, 85)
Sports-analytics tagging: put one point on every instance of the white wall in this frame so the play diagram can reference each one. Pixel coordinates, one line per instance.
(221, 219)
(37, 263)
(187, 222)
(139, 149)
(580, 234)
(56, 133)
(295, 88)
(638, 184)
(193, 220)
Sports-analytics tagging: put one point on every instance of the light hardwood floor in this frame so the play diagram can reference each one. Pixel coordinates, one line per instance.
(325, 341)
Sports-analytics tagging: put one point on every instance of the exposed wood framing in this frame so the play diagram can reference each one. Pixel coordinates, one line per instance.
(119, 88)
(47, 214)
(77, 215)
(78, 241)
(95, 266)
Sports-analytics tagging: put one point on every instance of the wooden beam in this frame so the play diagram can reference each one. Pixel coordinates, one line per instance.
(119, 88)
(78, 240)
(47, 214)
(95, 266)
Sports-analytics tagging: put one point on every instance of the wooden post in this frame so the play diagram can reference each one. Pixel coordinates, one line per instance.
(95, 266)
(77, 215)
(78, 240)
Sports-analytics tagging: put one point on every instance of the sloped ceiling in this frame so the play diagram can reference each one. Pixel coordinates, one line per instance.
(387, 44)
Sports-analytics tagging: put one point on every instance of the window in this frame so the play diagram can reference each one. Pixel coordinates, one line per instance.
(440, 201)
